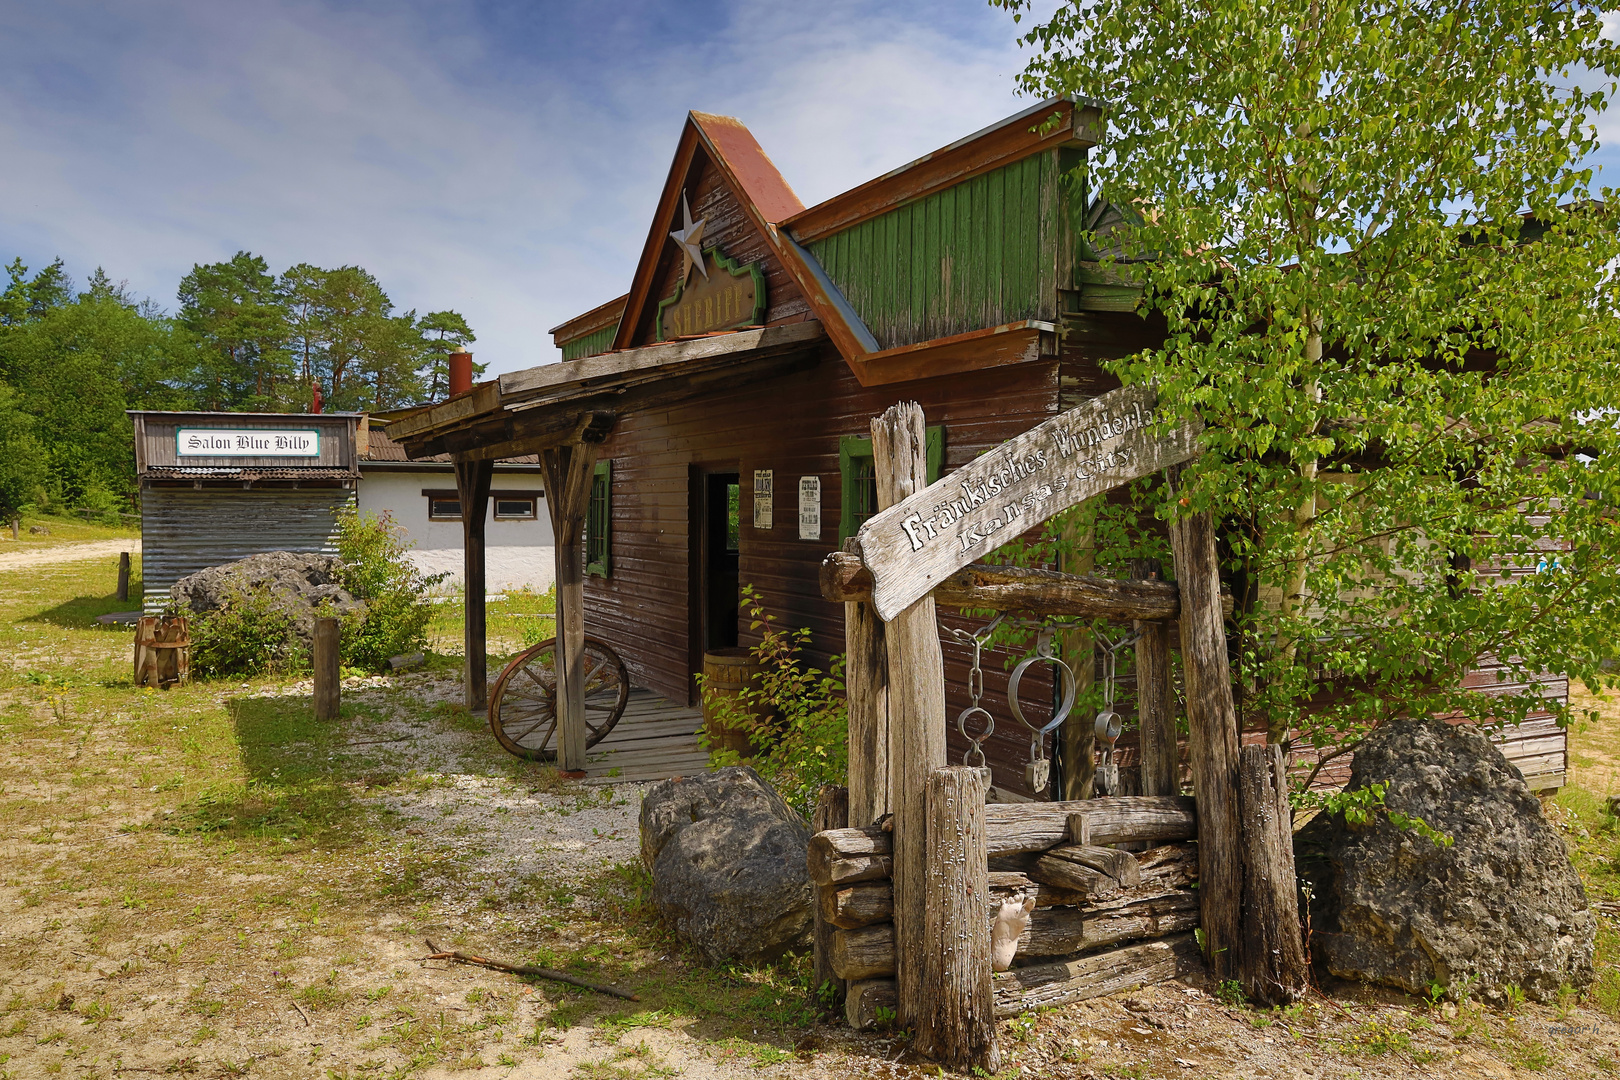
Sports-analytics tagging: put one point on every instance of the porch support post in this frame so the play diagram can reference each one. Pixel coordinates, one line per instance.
(472, 486)
(916, 717)
(568, 472)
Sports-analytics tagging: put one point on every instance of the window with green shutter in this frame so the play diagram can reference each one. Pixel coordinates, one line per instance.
(859, 477)
(599, 521)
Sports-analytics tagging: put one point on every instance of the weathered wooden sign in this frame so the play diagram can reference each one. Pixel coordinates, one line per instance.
(918, 542)
(723, 296)
(247, 442)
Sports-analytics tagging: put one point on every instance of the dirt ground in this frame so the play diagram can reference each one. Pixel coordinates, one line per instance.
(205, 882)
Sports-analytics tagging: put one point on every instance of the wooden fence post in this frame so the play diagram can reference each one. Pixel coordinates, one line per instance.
(1274, 964)
(958, 1028)
(1155, 706)
(1078, 737)
(832, 812)
(1212, 740)
(1155, 698)
(123, 575)
(916, 712)
(328, 675)
(866, 690)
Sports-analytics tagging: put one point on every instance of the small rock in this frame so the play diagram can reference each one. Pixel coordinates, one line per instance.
(1138, 1005)
(38, 530)
(728, 862)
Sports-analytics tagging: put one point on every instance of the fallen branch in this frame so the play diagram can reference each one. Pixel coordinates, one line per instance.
(526, 969)
(302, 1013)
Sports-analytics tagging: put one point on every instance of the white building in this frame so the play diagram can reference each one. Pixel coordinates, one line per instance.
(420, 496)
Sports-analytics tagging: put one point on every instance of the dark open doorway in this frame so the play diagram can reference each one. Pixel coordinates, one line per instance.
(722, 495)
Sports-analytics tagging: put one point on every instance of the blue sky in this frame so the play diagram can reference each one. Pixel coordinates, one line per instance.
(500, 158)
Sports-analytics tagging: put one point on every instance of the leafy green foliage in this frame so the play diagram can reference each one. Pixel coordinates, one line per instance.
(1365, 232)
(795, 713)
(72, 362)
(251, 633)
(1360, 806)
(376, 570)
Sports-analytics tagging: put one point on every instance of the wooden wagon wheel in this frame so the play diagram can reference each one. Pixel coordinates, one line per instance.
(523, 705)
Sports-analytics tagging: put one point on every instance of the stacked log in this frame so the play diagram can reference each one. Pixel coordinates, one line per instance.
(1105, 919)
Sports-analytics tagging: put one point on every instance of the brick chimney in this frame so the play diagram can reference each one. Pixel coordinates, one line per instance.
(460, 373)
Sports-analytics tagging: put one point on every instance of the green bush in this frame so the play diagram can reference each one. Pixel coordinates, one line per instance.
(376, 571)
(249, 635)
(796, 714)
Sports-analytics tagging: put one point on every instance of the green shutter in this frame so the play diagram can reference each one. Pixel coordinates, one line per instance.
(599, 522)
(854, 472)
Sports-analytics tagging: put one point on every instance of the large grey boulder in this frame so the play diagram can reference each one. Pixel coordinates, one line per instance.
(303, 585)
(728, 862)
(1501, 906)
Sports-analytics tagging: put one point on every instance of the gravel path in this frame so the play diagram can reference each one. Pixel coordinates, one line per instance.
(94, 549)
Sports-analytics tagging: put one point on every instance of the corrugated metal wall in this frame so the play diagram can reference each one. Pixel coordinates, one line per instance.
(185, 530)
(979, 254)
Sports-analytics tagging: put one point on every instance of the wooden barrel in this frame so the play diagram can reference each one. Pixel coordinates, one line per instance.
(726, 673)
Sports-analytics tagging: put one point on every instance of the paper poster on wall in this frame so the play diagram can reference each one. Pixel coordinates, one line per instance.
(764, 499)
(809, 508)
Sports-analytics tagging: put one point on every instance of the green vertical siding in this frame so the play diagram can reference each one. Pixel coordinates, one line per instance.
(598, 341)
(976, 255)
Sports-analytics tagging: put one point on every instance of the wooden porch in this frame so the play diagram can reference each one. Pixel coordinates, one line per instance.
(654, 740)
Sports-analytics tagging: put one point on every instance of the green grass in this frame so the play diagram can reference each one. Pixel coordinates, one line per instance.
(64, 529)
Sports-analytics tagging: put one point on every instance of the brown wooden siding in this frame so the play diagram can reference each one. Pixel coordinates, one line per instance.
(728, 227)
(792, 426)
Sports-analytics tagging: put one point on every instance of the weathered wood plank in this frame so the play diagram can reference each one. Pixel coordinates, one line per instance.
(958, 1029)
(1155, 710)
(1015, 827)
(866, 953)
(1095, 872)
(605, 367)
(845, 856)
(1064, 931)
(1173, 866)
(1025, 989)
(912, 546)
(849, 907)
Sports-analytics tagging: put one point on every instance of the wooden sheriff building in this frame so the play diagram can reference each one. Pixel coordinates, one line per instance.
(709, 428)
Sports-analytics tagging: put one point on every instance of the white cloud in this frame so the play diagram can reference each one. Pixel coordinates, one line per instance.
(423, 148)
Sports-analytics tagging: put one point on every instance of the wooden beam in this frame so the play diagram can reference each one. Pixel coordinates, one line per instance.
(569, 471)
(1014, 827)
(1212, 743)
(472, 489)
(845, 578)
(1026, 989)
(614, 366)
(916, 711)
(1155, 710)
(959, 1029)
